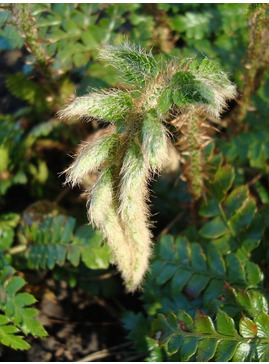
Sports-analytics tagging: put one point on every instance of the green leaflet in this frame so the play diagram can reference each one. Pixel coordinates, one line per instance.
(7, 224)
(18, 316)
(8, 335)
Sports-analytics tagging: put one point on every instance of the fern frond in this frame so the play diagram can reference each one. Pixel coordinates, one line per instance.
(14, 305)
(54, 241)
(188, 267)
(199, 338)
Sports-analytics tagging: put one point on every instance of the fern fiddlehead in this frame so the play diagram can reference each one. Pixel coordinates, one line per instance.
(157, 94)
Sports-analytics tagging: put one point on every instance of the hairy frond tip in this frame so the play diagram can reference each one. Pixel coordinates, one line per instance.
(133, 62)
(91, 157)
(112, 105)
(134, 212)
(103, 215)
(216, 86)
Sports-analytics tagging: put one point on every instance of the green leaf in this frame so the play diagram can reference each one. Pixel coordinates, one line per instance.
(166, 273)
(225, 324)
(214, 229)
(54, 241)
(188, 348)
(7, 224)
(8, 336)
(262, 322)
(254, 274)
(235, 200)
(24, 299)
(179, 280)
(262, 352)
(244, 215)
(234, 269)
(26, 90)
(165, 100)
(206, 349)
(244, 299)
(179, 99)
(203, 323)
(225, 350)
(182, 249)
(134, 64)
(196, 285)
(14, 285)
(198, 258)
(223, 181)
(242, 352)
(216, 262)
(174, 344)
(247, 327)
(209, 208)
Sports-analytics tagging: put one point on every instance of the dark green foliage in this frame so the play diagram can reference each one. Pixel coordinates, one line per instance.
(53, 241)
(18, 317)
(205, 296)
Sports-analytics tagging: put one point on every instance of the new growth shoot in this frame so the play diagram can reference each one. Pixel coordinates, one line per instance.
(154, 95)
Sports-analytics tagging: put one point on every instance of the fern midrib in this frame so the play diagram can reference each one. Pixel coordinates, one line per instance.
(218, 336)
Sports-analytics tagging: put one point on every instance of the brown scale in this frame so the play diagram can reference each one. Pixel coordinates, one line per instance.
(193, 135)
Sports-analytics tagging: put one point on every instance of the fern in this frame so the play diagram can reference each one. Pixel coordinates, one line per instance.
(7, 224)
(201, 340)
(18, 317)
(8, 335)
(27, 90)
(186, 264)
(142, 114)
(234, 223)
(53, 241)
(184, 275)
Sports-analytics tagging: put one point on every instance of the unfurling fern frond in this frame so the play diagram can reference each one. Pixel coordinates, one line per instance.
(157, 94)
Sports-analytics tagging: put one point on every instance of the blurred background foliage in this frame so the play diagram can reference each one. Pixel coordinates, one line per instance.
(49, 54)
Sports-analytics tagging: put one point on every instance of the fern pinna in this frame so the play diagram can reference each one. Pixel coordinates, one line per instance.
(155, 95)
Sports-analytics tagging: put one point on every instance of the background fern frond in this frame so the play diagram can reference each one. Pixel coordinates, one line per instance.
(201, 340)
(18, 317)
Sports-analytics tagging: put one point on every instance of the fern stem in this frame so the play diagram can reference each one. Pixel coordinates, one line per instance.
(32, 43)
